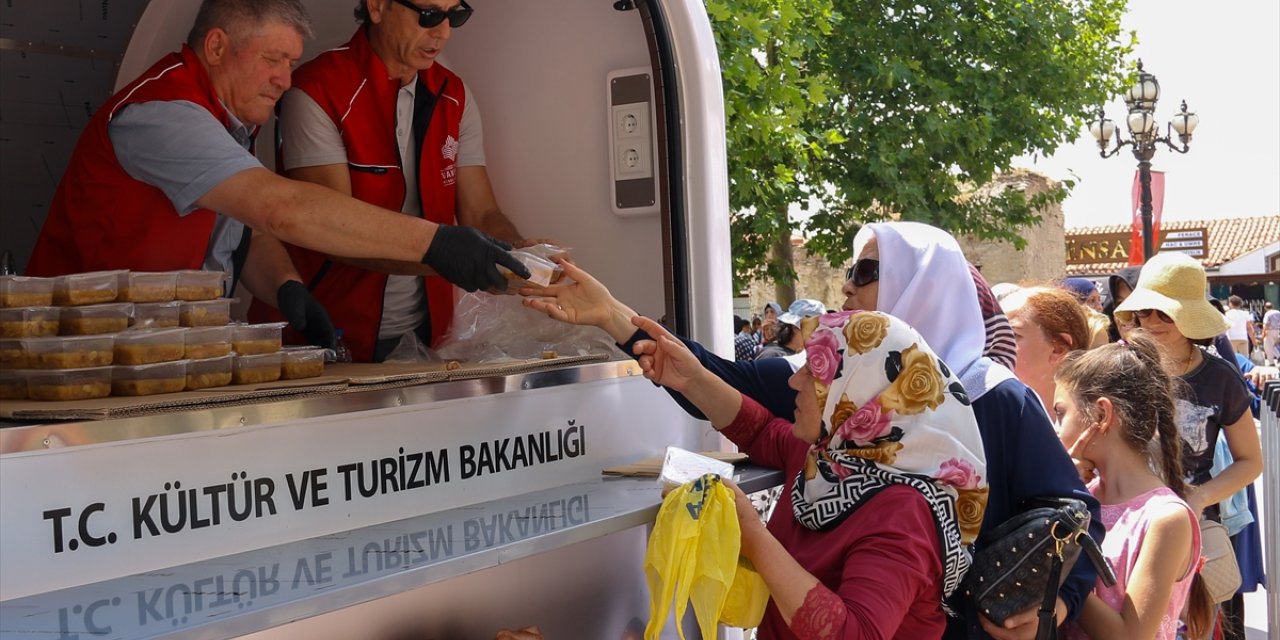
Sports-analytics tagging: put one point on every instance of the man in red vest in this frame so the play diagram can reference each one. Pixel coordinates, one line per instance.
(164, 178)
(380, 119)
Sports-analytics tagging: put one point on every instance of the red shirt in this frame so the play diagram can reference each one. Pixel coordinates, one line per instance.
(884, 561)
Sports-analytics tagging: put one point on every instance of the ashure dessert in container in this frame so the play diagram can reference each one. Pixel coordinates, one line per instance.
(95, 319)
(209, 313)
(194, 284)
(95, 287)
(69, 352)
(207, 342)
(209, 372)
(149, 379)
(252, 339)
(23, 291)
(29, 322)
(156, 315)
(69, 384)
(147, 346)
(264, 367)
(144, 286)
(301, 362)
(13, 384)
(12, 354)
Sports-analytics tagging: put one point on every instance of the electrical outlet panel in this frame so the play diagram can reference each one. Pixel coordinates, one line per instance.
(632, 141)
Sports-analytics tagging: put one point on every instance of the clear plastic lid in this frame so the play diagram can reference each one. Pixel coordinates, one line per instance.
(147, 286)
(95, 287)
(69, 352)
(24, 291)
(29, 322)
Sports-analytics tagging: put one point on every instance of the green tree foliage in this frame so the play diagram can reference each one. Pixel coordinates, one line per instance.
(872, 108)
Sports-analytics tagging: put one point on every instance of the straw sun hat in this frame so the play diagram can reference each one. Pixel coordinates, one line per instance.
(1175, 284)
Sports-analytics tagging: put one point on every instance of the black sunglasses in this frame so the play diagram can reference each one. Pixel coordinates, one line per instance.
(432, 16)
(1146, 313)
(863, 272)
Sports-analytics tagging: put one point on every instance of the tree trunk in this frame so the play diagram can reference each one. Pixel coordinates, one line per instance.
(784, 290)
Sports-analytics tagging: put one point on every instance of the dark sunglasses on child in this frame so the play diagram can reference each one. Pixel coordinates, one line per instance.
(1143, 314)
(431, 16)
(863, 272)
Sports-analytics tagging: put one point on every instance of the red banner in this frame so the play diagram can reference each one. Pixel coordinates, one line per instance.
(1157, 205)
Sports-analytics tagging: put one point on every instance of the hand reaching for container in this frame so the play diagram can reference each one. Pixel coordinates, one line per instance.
(664, 359)
(581, 300)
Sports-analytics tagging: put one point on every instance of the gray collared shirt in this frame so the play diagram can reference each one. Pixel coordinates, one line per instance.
(181, 149)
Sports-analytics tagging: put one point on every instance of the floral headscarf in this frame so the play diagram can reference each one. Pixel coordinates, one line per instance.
(892, 413)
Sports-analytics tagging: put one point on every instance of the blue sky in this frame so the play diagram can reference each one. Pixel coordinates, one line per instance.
(1223, 58)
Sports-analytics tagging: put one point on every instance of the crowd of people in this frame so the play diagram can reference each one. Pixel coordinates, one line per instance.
(1125, 414)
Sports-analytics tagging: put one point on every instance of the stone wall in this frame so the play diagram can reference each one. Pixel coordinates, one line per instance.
(1044, 258)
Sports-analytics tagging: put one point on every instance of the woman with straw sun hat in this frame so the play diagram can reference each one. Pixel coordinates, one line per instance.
(1169, 304)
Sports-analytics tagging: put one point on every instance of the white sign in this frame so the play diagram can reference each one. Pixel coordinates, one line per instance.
(96, 512)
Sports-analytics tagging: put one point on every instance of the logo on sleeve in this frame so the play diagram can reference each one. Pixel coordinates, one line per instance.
(450, 149)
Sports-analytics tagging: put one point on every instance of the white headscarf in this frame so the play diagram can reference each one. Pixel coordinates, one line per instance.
(925, 281)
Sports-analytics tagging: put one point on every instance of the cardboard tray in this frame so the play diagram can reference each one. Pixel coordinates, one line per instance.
(338, 378)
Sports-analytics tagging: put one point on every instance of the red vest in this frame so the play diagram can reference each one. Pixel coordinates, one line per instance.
(101, 217)
(350, 84)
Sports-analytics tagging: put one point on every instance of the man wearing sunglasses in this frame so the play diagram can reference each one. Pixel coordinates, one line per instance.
(379, 118)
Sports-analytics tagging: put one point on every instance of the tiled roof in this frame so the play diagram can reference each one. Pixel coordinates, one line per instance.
(1229, 238)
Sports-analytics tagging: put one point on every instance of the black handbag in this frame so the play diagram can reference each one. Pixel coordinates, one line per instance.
(1024, 561)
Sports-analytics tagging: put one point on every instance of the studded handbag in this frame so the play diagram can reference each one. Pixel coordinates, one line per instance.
(1023, 562)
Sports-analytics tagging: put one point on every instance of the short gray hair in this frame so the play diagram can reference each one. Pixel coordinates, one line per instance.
(239, 18)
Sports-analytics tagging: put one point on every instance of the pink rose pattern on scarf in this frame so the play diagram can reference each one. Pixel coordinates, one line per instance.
(866, 424)
(959, 474)
(822, 351)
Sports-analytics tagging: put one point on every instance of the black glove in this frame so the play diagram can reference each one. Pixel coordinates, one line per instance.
(305, 314)
(468, 258)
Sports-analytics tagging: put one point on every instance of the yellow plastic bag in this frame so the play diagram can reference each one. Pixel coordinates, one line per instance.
(748, 596)
(693, 558)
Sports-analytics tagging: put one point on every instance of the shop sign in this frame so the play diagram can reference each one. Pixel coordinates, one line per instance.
(1093, 248)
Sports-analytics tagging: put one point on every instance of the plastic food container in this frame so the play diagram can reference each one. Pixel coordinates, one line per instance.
(208, 342)
(199, 285)
(13, 384)
(144, 286)
(209, 372)
(264, 367)
(69, 384)
(156, 315)
(69, 352)
(148, 346)
(149, 379)
(252, 339)
(301, 362)
(29, 322)
(13, 355)
(95, 287)
(22, 291)
(95, 319)
(210, 313)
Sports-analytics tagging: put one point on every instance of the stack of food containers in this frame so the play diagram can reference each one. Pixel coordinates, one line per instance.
(131, 334)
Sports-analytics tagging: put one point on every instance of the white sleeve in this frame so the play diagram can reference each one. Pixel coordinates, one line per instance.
(470, 132)
(309, 136)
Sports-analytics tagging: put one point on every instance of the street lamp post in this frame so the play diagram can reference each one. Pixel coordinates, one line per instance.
(1144, 136)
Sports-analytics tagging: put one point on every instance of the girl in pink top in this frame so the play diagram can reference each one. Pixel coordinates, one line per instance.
(1115, 404)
